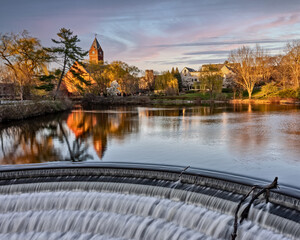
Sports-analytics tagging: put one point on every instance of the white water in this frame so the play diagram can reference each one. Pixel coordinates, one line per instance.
(126, 211)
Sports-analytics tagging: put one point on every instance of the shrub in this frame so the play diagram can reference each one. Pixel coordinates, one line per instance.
(227, 90)
(268, 89)
(287, 93)
(171, 91)
(298, 93)
(190, 91)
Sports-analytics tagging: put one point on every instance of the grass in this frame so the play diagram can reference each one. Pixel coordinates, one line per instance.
(196, 96)
(280, 94)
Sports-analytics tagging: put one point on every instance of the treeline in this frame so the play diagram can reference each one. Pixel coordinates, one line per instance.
(25, 62)
(276, 75)
(103, 74)
(168, 82)
(22, 59)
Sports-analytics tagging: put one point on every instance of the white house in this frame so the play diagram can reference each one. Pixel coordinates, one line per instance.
(188, 77)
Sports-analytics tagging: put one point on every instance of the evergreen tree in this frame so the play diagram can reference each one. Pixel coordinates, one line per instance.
(47, 82)
(173, 71)
(178, 77)
(67, 53)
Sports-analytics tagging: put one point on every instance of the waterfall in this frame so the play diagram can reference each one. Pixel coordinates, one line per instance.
(66, 206)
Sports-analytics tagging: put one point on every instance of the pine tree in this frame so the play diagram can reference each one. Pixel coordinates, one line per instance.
(178, 77)
(67, 52)
(173, 71)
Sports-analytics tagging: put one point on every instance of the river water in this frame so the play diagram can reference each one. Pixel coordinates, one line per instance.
(261, 141)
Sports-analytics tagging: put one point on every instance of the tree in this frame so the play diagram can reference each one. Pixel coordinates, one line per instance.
(247, 67)
(264, 64)
(24, 56)
(167, 83)
(67, 53)
(149, 80)
(178, 77)
(211, 79)
(125, 75)
(293, 61)
(47, 82)
(6, 76)
(98, 72)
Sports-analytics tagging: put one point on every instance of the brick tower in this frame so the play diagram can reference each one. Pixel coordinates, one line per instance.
(96, 53)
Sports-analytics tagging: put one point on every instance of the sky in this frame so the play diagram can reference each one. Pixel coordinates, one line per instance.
(159, 34)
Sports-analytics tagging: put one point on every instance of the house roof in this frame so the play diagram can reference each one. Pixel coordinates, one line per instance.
(232, 66)
(96, 44)
(190, 69)
(216, 66)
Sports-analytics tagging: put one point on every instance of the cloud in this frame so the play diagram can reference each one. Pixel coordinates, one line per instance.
(159, 32)
(213, 43)
(190, 62)
(208, 52)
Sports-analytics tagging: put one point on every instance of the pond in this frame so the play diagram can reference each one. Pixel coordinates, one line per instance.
(260, 141)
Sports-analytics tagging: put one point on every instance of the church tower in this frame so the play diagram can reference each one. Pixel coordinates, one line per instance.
(96, 53)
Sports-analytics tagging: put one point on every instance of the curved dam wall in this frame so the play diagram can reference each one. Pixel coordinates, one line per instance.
(115, 201)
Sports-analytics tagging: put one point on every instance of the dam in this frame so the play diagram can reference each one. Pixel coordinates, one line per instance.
(138, 201)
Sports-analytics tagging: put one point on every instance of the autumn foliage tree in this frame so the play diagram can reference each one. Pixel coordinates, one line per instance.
(25, 57)
(167, 82)
(98, 71)
(211, 80)
(125, 75)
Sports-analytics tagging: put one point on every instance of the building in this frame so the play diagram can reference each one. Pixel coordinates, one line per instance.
(71, 84)
(188, 77)
(96, 53)
(228, 75)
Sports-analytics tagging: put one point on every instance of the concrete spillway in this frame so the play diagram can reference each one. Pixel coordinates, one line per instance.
(124, 201)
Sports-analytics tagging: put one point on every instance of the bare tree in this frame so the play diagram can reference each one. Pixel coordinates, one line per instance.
(249, 66)
(293, 61)
(264, 64)
(281, 72)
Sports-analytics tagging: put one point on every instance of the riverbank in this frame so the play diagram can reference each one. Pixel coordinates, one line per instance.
(175, 100)
(145, 100)
(117, 100)
(22, 110)
(266, 101)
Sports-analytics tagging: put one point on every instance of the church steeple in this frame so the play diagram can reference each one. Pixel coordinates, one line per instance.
(96, 53)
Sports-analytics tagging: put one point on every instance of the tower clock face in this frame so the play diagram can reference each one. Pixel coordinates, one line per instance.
(93, 52)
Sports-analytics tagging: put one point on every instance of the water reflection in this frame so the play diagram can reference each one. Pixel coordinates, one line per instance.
(96, 127)
(30, 141)
(64, 137)
(222, 137)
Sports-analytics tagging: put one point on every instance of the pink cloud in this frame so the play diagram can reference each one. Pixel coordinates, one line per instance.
(272, 22)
